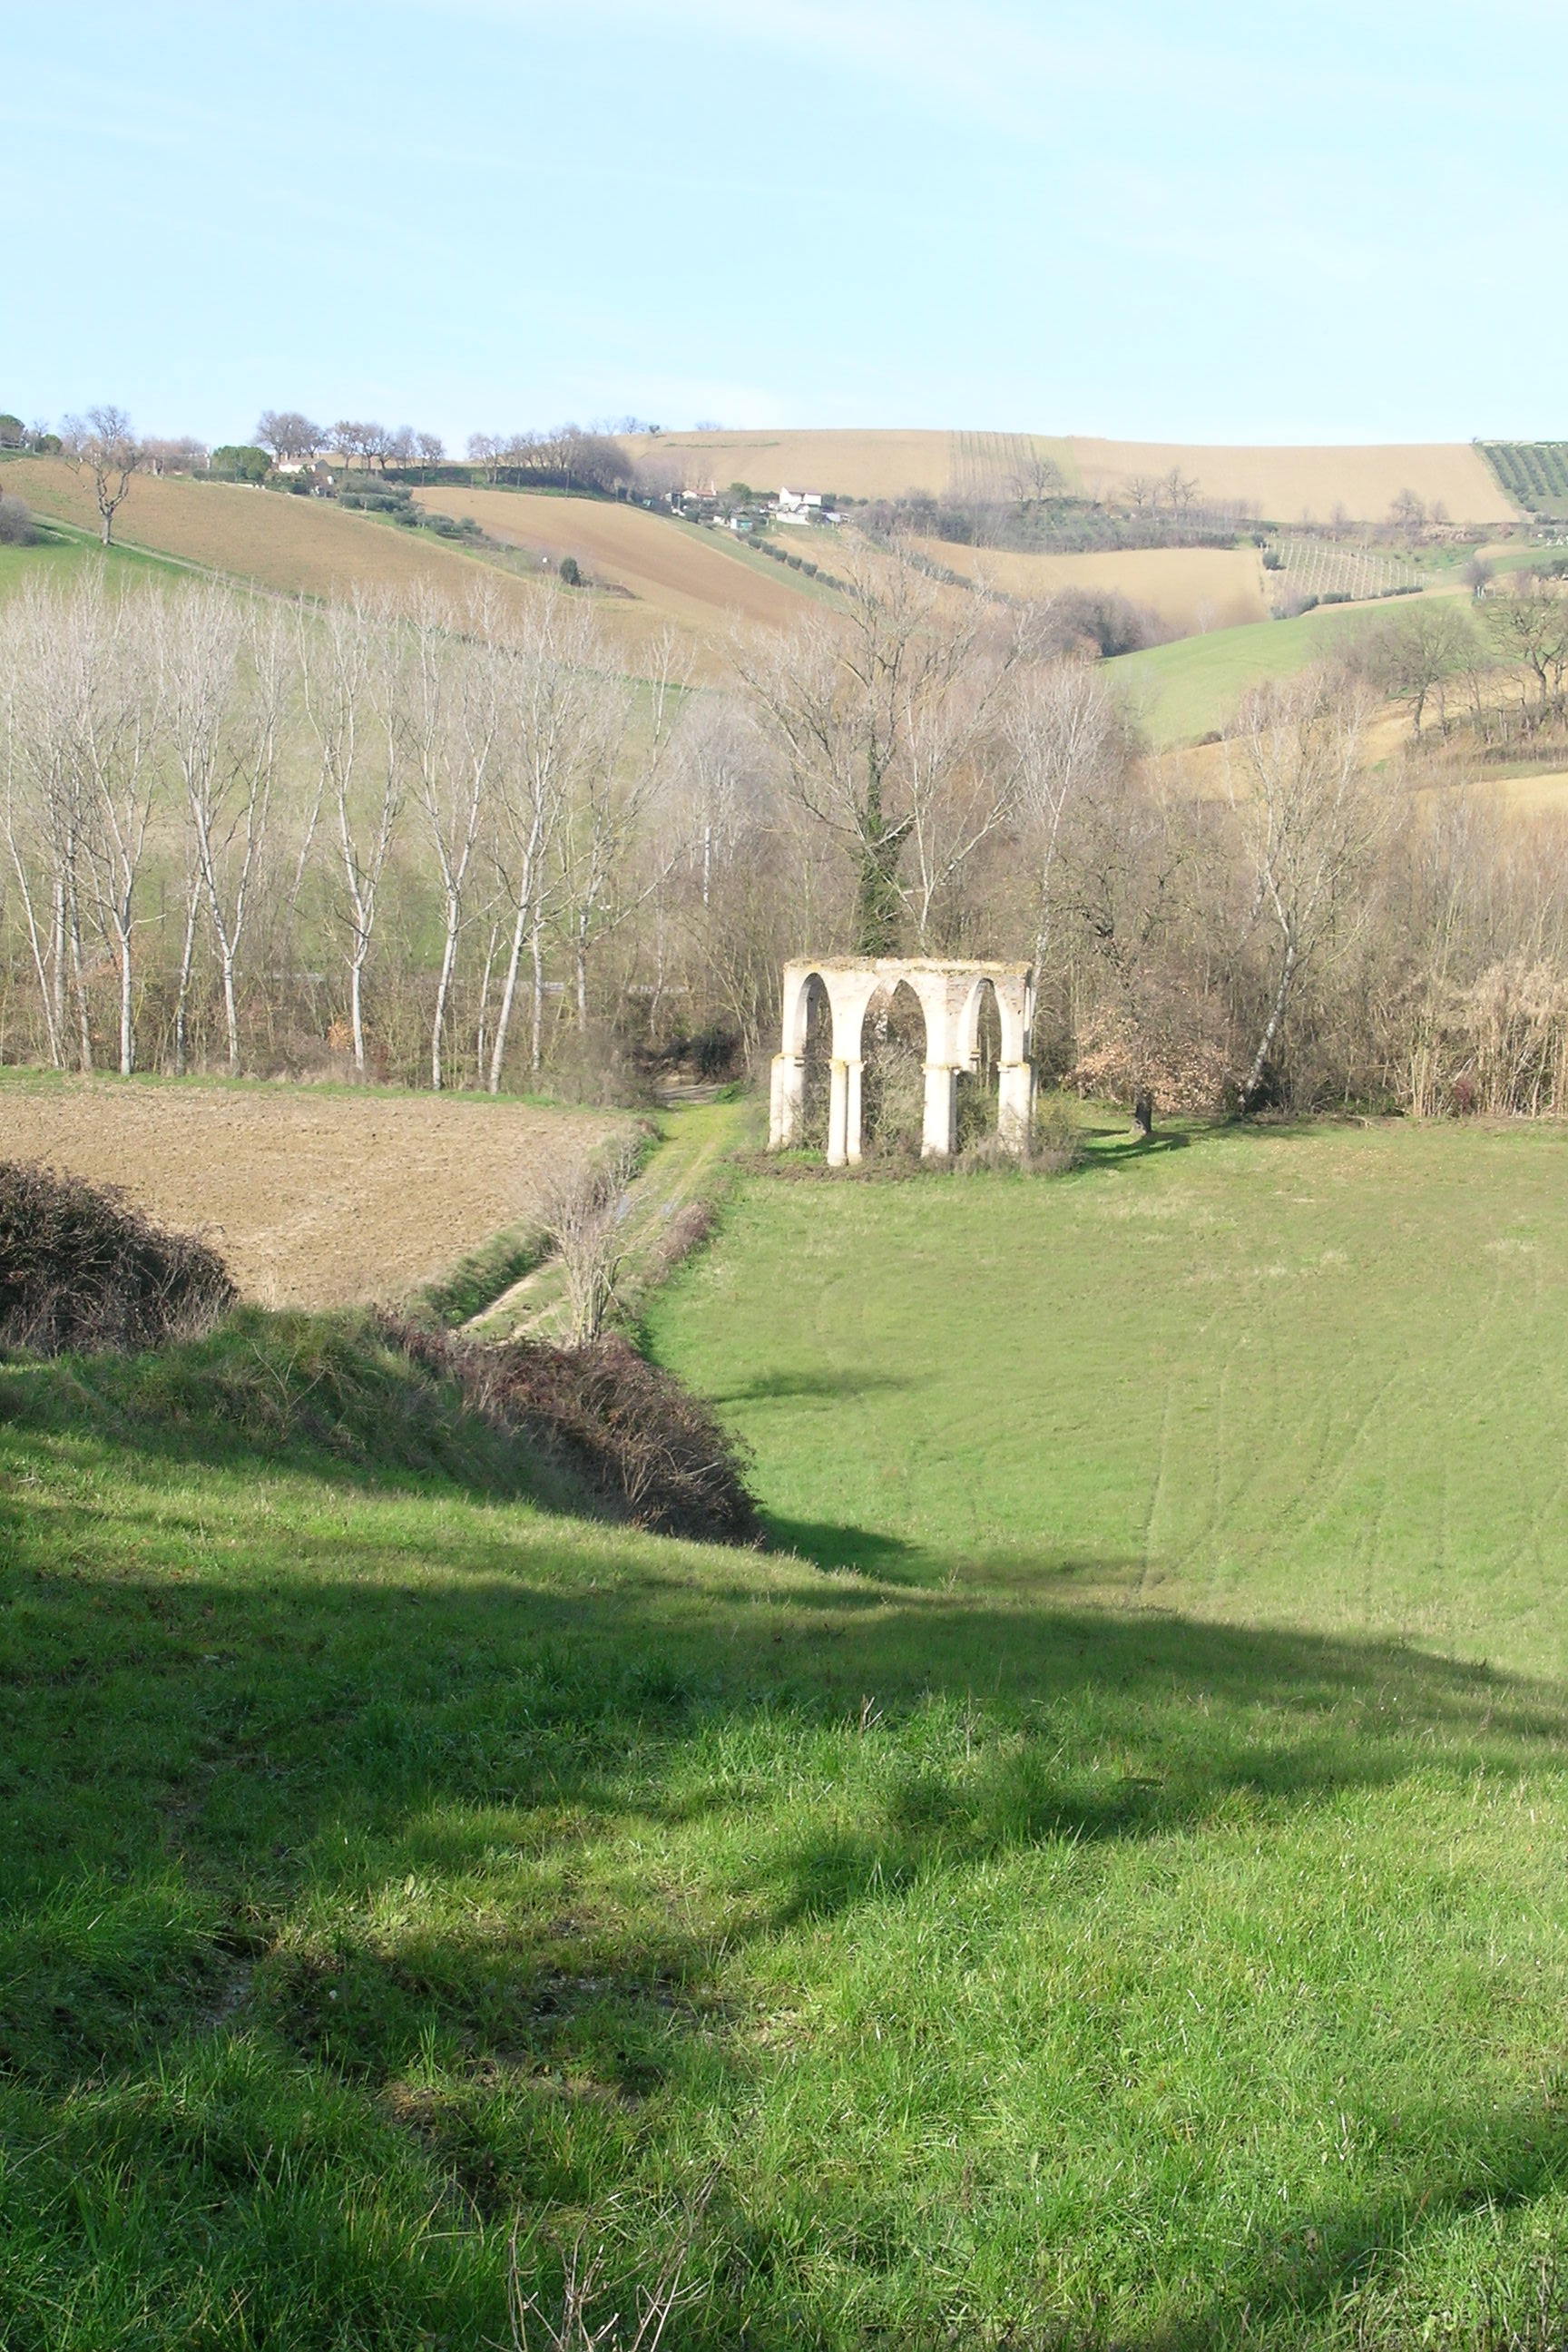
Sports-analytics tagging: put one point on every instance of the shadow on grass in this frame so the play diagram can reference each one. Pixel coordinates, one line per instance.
(331, 1802)
(826, 1545)
(849, 1381)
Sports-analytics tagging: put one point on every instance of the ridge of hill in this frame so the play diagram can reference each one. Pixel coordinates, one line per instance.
(1287, 484)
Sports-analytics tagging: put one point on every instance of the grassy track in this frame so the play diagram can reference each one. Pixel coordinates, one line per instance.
(1096, 1895)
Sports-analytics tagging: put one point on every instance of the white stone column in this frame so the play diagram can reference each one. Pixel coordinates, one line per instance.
(939, 1131)
(787, 1097)
(838, 1114)
(1015, 1103)
(854, 1071)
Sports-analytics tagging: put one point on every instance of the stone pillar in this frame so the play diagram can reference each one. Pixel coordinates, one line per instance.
(1015, 1103)
(838, 1114)
(787, 1096)
(939, 1131)
(853, 1073)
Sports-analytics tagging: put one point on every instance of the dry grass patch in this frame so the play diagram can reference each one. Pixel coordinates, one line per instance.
(1192, 589)
(1292, 485)
(313, 1199)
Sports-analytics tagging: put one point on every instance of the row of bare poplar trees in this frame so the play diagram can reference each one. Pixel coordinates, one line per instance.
(461, 845)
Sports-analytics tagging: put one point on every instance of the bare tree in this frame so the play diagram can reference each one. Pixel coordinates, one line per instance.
(1412, 658)
(584, 1220)
(224, 676)
(290, 437)
(610, 790)
(1309, 823)
(1066, 729)
(112, 722)
(103, 442)
(452, 720)
(550, 688)
(850, 709)
(432, 450)
(350, 684)
(1529, 625)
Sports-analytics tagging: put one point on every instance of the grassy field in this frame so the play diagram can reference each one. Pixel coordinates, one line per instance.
(1191, 686)
(1106, 1890)
(316, 1196)
(60, 553)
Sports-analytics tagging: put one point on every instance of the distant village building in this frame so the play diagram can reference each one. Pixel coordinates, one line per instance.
(800, 507)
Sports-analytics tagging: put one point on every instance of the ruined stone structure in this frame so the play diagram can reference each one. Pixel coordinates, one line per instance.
(951, 997)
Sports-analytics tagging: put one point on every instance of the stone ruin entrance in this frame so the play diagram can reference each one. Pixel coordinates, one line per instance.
(951, 996)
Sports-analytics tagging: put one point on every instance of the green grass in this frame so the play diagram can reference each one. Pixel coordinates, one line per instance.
(1106, 1890)
(1191, 686)
(60, 554)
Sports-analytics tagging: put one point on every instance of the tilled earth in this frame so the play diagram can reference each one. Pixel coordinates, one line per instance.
(314, 1199)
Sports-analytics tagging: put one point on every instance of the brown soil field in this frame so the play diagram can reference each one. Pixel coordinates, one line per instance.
(1293, 485)
(314, 1199)
(672, 570)
(308, 545)
(281, 542)
(1192, 588)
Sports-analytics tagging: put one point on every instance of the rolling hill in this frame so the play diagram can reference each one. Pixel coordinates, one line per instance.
(1285, 484)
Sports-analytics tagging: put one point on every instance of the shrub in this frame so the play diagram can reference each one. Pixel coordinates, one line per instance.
(17, 528)
(238, 462)
(634, 1434)
(81, 1269)
(570, 571)
(1056, 1143)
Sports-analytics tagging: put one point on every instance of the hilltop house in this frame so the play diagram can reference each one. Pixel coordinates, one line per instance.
(800, 507)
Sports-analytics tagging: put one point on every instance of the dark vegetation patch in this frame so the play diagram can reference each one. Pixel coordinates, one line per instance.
(639, 1439)
(81, 1268)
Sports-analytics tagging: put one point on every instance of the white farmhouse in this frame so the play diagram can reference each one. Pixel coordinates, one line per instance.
(801, 507)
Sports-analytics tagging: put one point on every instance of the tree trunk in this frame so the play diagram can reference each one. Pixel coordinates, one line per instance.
(448, 958)
(1277, 1015)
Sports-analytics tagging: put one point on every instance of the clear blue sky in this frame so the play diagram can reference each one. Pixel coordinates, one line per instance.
(1145, 218)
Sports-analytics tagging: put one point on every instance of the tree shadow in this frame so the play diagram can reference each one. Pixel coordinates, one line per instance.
(254, 1766)
(830, 1383)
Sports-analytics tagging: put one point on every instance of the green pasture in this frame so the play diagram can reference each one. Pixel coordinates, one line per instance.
(60, 554)
(1191, 686)
(1100, 1882)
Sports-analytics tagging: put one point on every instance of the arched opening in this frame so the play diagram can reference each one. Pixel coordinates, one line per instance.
(892, 1082)
(816, 1049)
(978, 1085)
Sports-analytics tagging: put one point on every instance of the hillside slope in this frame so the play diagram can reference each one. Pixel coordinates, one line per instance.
(673, 569)
(1285, 483)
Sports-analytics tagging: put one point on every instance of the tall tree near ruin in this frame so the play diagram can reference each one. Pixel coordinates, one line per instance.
(856, 706)
(1309, 824)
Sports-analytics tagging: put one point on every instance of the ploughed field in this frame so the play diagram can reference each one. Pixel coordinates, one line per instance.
(1101, 1884)
(314, 1197)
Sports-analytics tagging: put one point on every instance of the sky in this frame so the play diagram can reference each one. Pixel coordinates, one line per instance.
(1138, 218)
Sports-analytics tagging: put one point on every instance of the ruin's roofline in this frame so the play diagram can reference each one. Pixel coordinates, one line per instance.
(971, 964)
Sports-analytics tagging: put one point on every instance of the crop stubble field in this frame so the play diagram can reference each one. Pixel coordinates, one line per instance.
(1193, 590)
(314, 1197)
(671, 570)
(1287, 484)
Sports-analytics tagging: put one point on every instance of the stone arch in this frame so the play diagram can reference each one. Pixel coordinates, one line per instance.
(894, 1050)
(950, 993)
(979, 1041)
